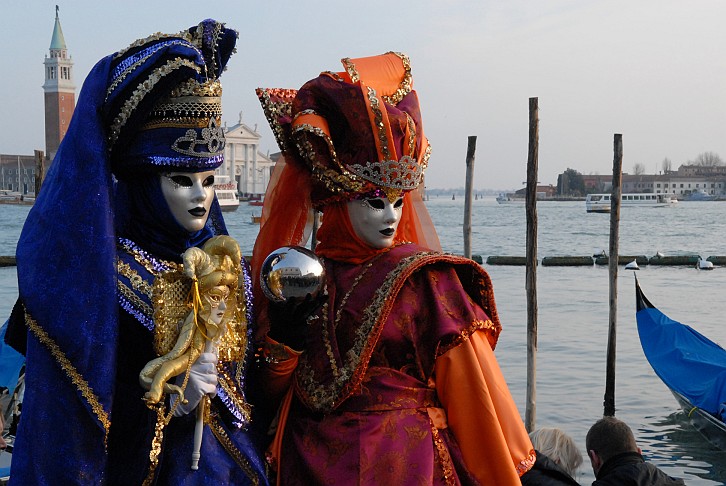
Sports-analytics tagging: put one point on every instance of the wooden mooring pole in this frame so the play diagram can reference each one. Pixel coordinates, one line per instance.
(609, 402)
(531, 269)
(39, 170)
(470, 151)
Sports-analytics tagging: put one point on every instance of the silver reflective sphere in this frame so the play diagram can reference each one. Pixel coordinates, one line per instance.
(291, 272)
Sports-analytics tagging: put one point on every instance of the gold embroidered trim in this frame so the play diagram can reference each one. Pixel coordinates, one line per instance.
(350, 68)
(406, 84)
(447, 467)
(145, 262)
(336, 181)
(229, 446)
(325, 397)
(70, 370)
(465, 334)
(137, 282)
(411, 135)
(404, 87)
(199, 39)
(426, 157)
(276, 110)
(378, 118)
(227, 383)
(335, 76)
(142, 90)
(527, 463)
(134, 299)
(161, 422)
(139, 62)
(184, 34)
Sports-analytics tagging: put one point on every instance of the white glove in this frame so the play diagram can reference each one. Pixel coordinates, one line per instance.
(202, 381)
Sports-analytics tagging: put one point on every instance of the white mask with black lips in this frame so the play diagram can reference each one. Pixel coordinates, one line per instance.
(189, 196)
(375, 220)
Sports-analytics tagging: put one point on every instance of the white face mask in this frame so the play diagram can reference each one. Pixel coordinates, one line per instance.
(217, 299)
(189, 196)
(375, 220)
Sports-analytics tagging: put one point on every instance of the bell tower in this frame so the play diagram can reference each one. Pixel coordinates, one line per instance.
(60, 92)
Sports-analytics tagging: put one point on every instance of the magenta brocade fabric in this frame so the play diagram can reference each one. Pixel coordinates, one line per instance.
(363, 389)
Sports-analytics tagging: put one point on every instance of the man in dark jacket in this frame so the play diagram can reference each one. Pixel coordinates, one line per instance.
(616, 459)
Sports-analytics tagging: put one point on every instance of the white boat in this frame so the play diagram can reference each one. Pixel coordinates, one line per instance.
(503, 198)
(600, 203)
(226, 193)
(700, 195)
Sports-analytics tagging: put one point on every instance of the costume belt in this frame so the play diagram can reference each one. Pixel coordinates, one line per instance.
(386, 390)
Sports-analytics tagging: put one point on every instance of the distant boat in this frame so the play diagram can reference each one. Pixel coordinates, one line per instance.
(503, 198)
(226, 193)
(255, 219)
(600, 203)
(700, 195)
(9, 196)
(13, 197)
(255, 203)
(692, 367)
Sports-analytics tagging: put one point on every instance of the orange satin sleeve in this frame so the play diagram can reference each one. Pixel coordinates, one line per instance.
(482, 414)
(277, 376)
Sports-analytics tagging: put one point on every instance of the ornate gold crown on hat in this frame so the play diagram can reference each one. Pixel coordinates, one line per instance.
(405, 174)
(192, 105)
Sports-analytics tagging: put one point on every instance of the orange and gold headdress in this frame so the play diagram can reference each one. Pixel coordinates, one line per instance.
(357, 132)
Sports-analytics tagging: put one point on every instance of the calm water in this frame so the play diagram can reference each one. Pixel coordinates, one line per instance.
(573, 312)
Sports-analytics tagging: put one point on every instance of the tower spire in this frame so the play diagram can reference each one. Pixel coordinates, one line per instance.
(60, 92)
(57, 42)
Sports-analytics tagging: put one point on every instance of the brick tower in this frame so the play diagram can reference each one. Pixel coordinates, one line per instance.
(60, 92)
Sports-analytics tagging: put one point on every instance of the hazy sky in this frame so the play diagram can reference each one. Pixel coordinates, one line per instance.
(652, 70)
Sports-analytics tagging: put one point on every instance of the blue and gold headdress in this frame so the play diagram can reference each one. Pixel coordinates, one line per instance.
(163, 104)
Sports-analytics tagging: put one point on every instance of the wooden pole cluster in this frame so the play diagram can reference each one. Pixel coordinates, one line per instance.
(531, 269)
(609, 401)
(470, 151)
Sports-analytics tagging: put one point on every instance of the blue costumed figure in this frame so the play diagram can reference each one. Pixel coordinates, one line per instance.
(106, 279)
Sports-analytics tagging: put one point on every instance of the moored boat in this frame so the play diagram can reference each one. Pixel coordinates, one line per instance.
(700, 195)
(226, 193)
(503, 198)
(600, 203)
(692, 367)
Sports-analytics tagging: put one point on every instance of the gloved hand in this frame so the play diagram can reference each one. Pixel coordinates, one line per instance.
(202, 381)
(288, 320)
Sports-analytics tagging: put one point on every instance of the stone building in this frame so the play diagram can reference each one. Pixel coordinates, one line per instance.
(244, 163)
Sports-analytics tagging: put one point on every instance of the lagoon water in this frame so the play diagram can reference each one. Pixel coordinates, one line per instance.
(573, 312)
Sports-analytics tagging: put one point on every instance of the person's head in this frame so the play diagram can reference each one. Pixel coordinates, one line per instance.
(559, 447)
(367, 149)
(165, 136)
(608, 437)
(354, 148)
